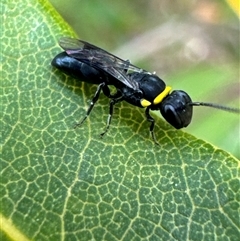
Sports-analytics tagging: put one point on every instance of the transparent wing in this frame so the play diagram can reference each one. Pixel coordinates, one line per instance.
(101, 59)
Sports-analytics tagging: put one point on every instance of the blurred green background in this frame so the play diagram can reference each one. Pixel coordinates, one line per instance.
(192, 45)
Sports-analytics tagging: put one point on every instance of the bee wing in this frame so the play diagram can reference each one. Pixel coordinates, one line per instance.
(101, 60)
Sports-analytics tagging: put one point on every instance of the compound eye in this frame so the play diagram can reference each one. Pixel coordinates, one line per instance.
(176, 110)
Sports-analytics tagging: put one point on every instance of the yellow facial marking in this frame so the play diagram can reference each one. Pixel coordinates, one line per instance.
(162, 95)
(145, 103)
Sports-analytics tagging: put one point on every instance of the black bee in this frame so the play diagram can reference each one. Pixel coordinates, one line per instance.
(136, 86)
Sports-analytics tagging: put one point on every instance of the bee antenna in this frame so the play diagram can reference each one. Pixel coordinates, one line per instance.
(216, 106)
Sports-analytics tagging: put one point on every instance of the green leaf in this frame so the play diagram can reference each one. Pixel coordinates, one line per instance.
(58, 183)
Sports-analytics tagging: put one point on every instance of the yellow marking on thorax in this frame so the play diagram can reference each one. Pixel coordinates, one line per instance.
(145, 103)
(162, 95)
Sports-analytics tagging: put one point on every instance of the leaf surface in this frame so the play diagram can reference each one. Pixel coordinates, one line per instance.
(58, 183)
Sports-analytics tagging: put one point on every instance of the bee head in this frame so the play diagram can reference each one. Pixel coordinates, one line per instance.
(176, 109)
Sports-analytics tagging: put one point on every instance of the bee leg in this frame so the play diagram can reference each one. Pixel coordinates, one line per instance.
(111, 107)
(152, 121)
(93, 101)
(106, 91)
